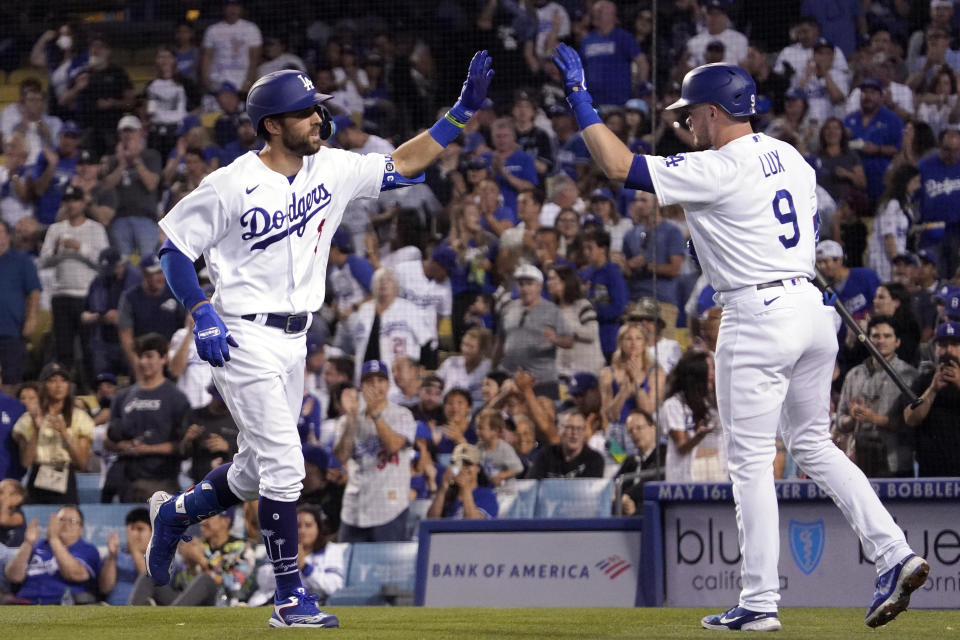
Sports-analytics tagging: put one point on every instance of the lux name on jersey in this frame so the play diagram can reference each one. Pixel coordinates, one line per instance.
(770, 163)
(261, 222)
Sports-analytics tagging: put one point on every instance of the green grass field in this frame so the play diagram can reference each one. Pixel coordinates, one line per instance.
(401, 623)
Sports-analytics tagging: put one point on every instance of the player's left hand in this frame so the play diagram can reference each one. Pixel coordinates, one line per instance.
(568, 61)
(478, 80)
(829, 298)
(211, 336)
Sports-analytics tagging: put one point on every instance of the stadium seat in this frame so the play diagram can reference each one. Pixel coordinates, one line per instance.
(520, 505)
(88, 488)
(379, 573)
(574, 498)
(418, 511)
(98, 519)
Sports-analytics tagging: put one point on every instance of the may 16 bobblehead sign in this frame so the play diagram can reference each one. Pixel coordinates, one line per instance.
(821, 563)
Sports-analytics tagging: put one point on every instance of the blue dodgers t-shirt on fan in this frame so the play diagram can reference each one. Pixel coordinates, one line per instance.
(606, 63)
(885, 128)
(45, 584)
(939, 190)
(858, 291)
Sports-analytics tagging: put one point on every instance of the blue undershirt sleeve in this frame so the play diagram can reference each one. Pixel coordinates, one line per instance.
(181, 276)
(639, 175)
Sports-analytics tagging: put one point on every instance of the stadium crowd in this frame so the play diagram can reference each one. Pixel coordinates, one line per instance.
(515, 316)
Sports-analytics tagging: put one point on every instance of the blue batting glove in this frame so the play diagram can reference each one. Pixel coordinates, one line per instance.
(211, 336)
(829, 299)
(475, 87)
(571, 68)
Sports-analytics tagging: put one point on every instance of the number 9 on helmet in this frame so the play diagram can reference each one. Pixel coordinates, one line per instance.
(284, 92)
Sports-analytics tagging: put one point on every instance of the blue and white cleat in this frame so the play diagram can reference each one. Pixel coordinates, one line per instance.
(163, 543)
(892, 594)
(300, 610)
(740, 619)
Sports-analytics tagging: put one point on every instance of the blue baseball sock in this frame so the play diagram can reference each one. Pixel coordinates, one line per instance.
(208, 497)
(278, 526)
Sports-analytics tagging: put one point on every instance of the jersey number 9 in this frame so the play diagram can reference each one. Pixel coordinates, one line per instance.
(790, 217)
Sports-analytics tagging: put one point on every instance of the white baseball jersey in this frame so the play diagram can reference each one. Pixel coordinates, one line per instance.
(265, 239)
(378, 486)
(402, 332)
(431, 297)
(750, 207)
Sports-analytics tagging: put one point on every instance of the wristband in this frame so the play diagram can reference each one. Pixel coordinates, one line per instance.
(447, 129)
(582, 104)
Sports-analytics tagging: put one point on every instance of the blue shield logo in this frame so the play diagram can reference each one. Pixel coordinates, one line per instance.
(806, 544)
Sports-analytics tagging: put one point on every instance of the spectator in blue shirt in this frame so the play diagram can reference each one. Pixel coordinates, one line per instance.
(47, 569)
(10, 410)
(641, 256)
(468, 493)
(246, 140)
(101, 313)
(19, 298)
(940, 195)
(608, 53)
(123, 565)
(855, 286)
(876, 132)
(573, 157)
(606, 288)
(839, 20)
(53, 171)
(514, 169)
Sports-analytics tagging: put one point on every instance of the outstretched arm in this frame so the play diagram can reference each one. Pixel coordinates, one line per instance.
(415, 155)
(607, 150)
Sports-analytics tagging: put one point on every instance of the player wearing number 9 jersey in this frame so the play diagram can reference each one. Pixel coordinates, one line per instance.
(750, 204)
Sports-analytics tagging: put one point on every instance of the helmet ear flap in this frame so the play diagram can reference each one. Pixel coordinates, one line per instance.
(326, 124)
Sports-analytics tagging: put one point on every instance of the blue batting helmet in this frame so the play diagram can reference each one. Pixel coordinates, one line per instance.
(281, 92)
(725, 85)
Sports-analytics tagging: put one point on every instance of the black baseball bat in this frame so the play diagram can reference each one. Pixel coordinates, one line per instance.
(854, 326)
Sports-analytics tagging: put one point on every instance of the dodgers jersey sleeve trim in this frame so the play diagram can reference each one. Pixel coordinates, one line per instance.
(639, 175)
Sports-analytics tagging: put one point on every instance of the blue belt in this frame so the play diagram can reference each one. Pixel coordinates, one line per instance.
(289, 323)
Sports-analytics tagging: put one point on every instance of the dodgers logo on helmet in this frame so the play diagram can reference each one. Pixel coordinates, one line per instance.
(281, 92)
(806, 544)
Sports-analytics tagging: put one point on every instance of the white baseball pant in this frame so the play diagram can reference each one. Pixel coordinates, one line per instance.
(775, 356)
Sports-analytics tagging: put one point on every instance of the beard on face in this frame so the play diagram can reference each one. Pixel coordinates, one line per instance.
(301, 146)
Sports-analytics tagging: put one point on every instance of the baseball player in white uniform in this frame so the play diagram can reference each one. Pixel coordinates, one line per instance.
(750, 205)
(263, 225)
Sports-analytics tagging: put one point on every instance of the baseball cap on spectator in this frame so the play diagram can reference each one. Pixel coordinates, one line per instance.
(948, 331)
(601, 194)
(636, 104)
(528, 272)
(871, 83)
(525, 96)
(228, 87)
(795, 94)
(189, 122)
(446, 257)
(764, 105)
(822, 43)
(341, 240)
(465, 453)
(581, 383)
(343, 122)
(313, 344)
(86, 156)
(723, 5)
(905, 257)
(374, 368)
(644, 309)
(926, 255)
(944, 292)
(951, 307)
(829, 249)
(590, 219)
(243, 118)
(108, 259)
(72, 192)
(130, 122)
(70, 128)
(105, 376)
(54, 369)
(315, 455)
(478, 163)
(151, 264)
